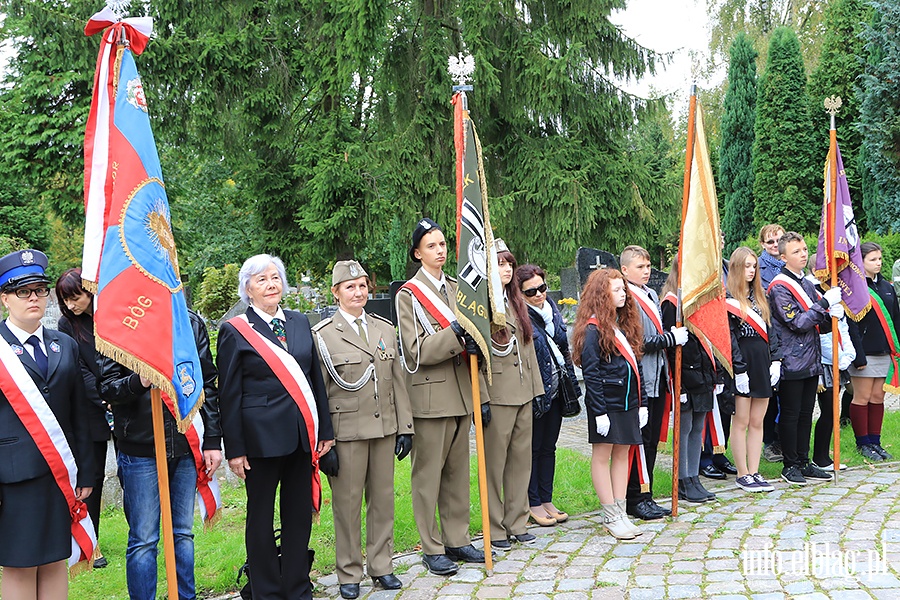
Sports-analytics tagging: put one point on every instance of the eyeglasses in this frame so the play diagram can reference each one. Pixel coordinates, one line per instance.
(770, 242)
(25, 293)
(532, 292)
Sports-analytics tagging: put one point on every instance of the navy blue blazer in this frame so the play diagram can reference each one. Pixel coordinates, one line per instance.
(259, 417)
(63, 389)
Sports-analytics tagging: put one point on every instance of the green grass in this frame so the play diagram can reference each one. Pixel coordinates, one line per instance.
(219, 552)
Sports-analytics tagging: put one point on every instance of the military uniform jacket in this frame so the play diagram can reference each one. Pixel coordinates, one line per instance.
(438, 379)
(381, 406)
(63, 390)
(516, 377)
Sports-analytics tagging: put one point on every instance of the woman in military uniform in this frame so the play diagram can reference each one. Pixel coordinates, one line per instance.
(372, 422)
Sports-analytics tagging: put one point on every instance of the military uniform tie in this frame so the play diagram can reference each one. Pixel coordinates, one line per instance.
(362, 331)
(444, 294)
(280, 333)
(39, 357)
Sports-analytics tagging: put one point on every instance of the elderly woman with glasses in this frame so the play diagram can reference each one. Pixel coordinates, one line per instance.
(552, 348)
(276, 426)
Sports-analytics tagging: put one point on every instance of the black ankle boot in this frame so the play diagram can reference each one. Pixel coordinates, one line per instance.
(687, 491)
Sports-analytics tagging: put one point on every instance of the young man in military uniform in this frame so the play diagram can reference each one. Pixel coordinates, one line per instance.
(440, 392)
(372, 422)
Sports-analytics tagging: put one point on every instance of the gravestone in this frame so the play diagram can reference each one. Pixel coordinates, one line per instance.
(657, 280)
(588, 260)
(568, 282)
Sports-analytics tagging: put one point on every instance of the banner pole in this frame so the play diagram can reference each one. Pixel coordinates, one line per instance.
(835, 337)
(482, 473)
(165, 502)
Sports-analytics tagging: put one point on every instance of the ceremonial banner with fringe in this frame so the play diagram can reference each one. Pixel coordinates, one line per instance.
(702, 290)
(839, 238)
(140, 315)
(479, 303)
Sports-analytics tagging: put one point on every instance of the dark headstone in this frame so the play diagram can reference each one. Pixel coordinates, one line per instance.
(383, 307)
(657, 280)
(587, 260)
(568, 282)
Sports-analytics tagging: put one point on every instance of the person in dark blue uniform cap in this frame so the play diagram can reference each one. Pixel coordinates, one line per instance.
(35, 519)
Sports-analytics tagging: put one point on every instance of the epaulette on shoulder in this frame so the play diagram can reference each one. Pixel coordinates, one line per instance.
(380, 318)
(453, 279)
(321, 324)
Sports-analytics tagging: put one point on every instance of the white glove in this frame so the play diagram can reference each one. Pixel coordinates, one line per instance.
(742, 383)
(833, 296)
(837, 311)
(603, 425)
(720, 388)
(643, 416)
(681, 335)
(844, 363)
(775, 372)
(683, 398)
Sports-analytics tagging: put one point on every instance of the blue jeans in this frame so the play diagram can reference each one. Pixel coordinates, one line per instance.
(141, 499)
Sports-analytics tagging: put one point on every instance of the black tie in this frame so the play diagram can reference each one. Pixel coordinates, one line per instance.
(39, 357)
(444, 294)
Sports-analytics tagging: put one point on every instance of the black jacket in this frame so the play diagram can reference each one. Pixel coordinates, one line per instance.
(610, 383)
(698, 373)
(132, 411)
(867, 334)
(81, 329)
(545, 357)
(797, 329)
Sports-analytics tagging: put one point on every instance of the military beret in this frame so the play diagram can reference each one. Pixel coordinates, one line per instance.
(424, 226)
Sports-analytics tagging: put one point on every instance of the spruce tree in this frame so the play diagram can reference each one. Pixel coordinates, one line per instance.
(788, 175)
(736, 150)
(880, 116)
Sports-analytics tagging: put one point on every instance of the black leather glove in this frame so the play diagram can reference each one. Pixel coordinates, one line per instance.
(485, 414)
(457, 329)
(539, 406)
(403, 446)
(328, 463)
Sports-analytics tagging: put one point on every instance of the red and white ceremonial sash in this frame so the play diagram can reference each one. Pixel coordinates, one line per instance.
(627, 353)
(40, 422)
(794, 288)
(291, 376)
(751, 318)
(716, 430)
(207, 485)
(647, 304)
(433, 304)
(637, 456)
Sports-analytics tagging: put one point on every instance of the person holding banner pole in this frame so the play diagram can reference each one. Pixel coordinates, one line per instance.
(46, 468)
(276, 427)
(440, 392)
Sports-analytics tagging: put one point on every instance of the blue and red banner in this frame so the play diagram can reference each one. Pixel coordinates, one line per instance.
(130, 259)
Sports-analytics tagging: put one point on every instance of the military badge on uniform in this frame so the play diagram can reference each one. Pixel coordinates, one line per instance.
(54, 347)
(19, 350)
(382, 349)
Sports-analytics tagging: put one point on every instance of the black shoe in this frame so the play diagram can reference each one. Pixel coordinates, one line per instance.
(349, 590)
(712, 472)
(646, 510)
(523, 538)
(388, 582)
(793, 476)
(725, 466)
(884, 454)
(100, 562)
(469, 554)
(688, 493)
(501, 545)
(812, 472)
(869, 452)
(439, 564)
(701, 489)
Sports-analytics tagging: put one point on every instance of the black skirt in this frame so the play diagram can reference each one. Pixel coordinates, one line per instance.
(756, 356)
(35, 525)
(624, 428)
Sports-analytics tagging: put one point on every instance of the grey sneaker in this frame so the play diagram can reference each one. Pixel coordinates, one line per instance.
(747, 483)
(793, 476)
(772, 453)
(811, 471)
(764, 486)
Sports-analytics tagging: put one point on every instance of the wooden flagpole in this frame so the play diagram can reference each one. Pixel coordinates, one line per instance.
(832, 264)
(165, 501)
(676, 405)
(482, 473)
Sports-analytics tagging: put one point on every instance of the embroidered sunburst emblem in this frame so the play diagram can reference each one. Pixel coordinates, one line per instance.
(159, 230)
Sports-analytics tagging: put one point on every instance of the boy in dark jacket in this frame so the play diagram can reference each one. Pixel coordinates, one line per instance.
(799, 315)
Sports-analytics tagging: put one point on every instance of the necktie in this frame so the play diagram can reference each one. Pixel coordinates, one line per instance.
(362, 331)
(280, 333)
(39, 357)
(444, 293)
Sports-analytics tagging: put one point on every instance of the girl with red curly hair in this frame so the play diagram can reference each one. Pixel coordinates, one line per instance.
(607, 345)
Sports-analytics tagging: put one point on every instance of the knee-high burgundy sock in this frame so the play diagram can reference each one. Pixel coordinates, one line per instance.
(859, 417)
(876, 417)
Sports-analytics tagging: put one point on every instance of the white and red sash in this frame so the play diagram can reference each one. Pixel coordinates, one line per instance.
(716, 430)
(207, 485)
(751, 317)
(636, 455)
(647, 305)
(433, 304)
(291, 376)
(40, 422)
(627, 353)
(794, 288)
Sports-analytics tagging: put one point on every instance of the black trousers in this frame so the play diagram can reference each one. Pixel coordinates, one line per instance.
(707, 457)
(798, 397)
(770, 425)
(544, 435)
(650, 437)
(824, 427)
(287, 579)
(93, 501)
